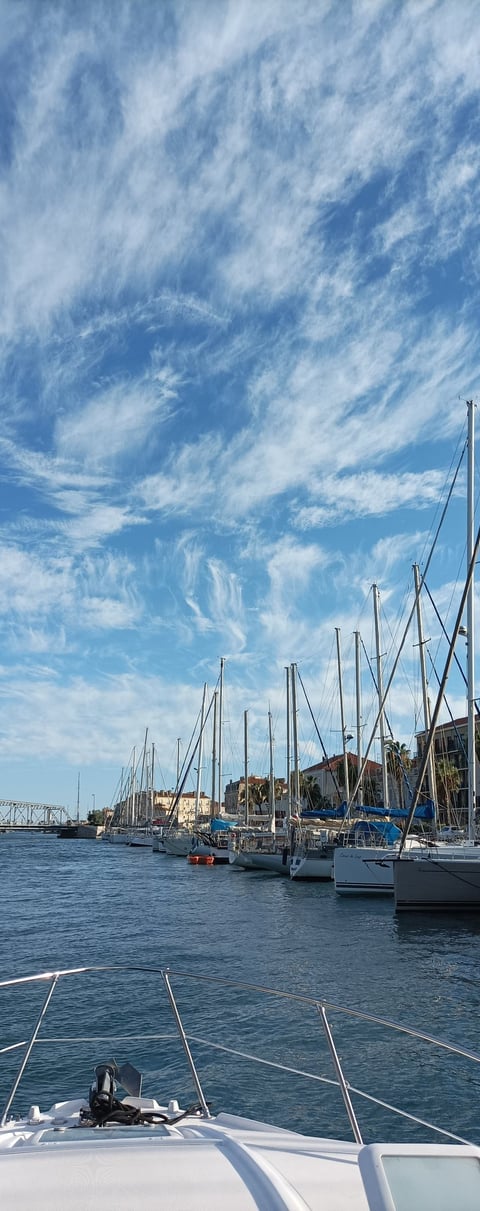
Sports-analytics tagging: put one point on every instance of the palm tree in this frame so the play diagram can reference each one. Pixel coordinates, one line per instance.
(398, 764)
(310, 791)
(255, 794)
(352, 772)
(448, 784)
(259, 792)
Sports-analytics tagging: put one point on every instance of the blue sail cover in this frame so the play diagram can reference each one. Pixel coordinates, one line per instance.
(377, 828)
(218, 826)
(424, 811)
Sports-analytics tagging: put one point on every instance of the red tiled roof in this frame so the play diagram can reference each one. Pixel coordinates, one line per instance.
(371, 767)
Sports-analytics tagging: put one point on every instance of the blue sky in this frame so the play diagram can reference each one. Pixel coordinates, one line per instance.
(238, 321)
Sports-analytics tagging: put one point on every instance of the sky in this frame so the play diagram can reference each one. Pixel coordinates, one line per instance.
(239, 289)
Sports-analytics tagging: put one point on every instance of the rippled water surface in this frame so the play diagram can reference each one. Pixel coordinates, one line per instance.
(68, 903)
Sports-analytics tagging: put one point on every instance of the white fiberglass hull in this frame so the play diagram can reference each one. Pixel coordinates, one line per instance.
(444, 882)
(140, 840)
(240, 858)
(278, 861)
(314, 865)
(132, 1151)
(177, 847)
(364, 870)
(369, 870)
(158, 845)
(116, 838)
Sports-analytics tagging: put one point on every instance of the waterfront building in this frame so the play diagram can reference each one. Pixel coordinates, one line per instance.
(327, 775)
(156, 806)
(450, 746)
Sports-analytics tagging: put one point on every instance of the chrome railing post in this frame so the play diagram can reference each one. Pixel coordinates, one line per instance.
(28, 1051)
(183, 1037)
(341, 1079)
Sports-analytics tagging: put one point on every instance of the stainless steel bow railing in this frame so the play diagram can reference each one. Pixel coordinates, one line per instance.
(320, 1004)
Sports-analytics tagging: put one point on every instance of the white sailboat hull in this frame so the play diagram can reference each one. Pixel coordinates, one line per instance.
(240, 858)
(315, 864)
(140, 840)
(177, 847)
(364, 870)
(448, 882)
(369, 870)
(278, 862)
(116, 838)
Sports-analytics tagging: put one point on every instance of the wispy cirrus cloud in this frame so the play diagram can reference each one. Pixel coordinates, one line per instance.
(64, 591)
(236, 307)
(119, 420)
(370, 493)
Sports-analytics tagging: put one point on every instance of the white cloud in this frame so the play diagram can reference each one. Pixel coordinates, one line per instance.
(44, 586)
(118, 421)
(233, 295)
(369, 493)
(188, 482)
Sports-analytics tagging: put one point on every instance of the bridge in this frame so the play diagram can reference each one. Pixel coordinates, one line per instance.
(42, 816)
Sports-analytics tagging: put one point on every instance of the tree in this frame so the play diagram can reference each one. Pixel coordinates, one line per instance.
(398, 764)
(352, 772)
(311, 793)
(96, 817)
(259, 792)
(448, 784)
(255, 793)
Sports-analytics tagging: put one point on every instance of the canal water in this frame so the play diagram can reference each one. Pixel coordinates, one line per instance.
(68, 903)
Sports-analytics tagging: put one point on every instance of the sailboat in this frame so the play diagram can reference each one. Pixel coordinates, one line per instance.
(313, 844)
(124, 814)
(178, 838)
(365, 867)
(141, 834)
(270, 849)
(244, 838)
(210, 842)
(450, 879)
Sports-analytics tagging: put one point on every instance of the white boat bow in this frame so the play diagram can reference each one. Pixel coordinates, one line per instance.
(116, 1152)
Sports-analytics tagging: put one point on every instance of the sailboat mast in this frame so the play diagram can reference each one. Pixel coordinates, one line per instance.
(381, 718)
(214, 755)
(432, 780)
(220, 722)
(472, 790)
(296, 774)
(142, 775)
(342, 716)
(245, 775)
(200, 754)
(152, 776)
(133, 784)
(272, 775)
(78, 799)
(289, 783)
(358, 696)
